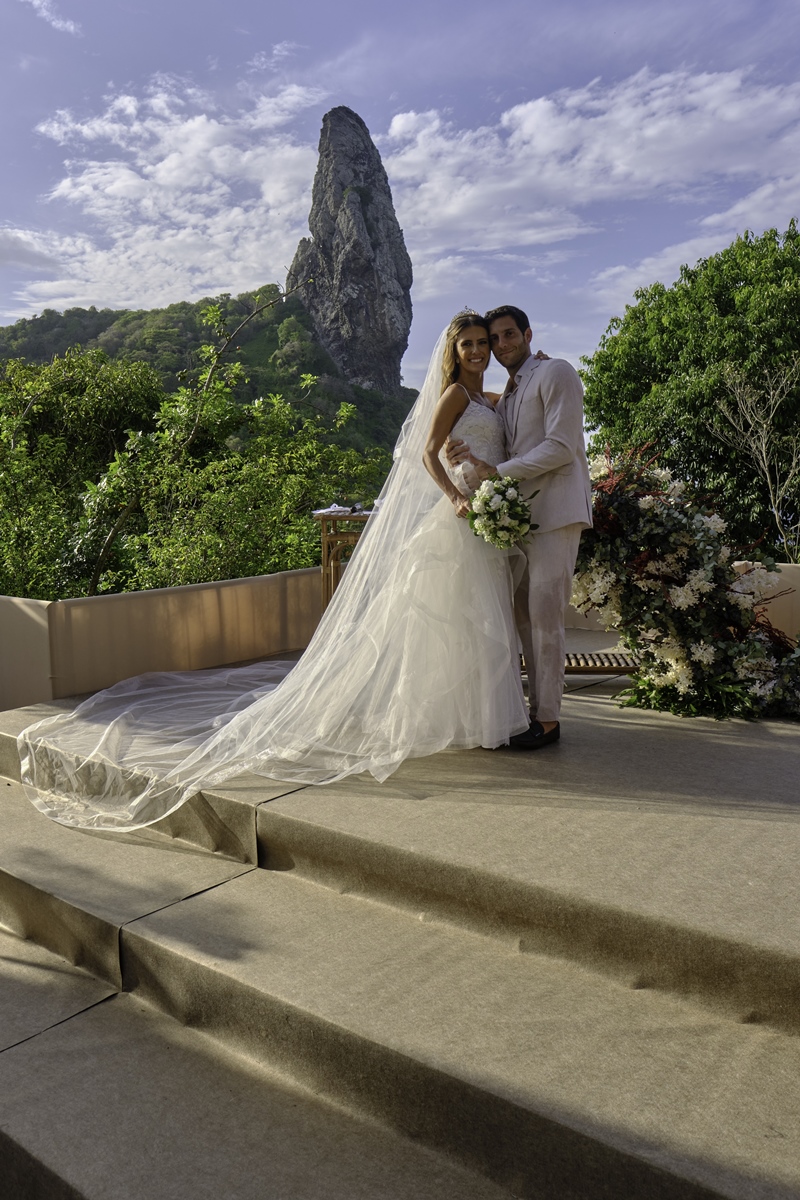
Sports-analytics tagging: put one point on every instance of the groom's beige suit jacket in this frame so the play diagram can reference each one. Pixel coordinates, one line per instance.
(543, 415)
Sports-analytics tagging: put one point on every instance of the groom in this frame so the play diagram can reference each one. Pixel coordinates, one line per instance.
(542, 407)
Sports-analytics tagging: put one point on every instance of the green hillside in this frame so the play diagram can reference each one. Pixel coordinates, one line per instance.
(139, 450)
(275, 349)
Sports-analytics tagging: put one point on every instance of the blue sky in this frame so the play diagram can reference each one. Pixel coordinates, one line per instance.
(557, 155)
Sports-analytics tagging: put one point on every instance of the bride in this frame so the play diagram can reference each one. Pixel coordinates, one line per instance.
(416, 652)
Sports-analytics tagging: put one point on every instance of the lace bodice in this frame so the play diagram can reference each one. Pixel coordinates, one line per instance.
(483, 430)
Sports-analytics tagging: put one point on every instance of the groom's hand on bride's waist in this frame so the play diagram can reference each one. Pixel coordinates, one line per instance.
(475, 469)
(456, 451)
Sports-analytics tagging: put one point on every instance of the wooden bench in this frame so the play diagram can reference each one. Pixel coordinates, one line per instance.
(606, 662)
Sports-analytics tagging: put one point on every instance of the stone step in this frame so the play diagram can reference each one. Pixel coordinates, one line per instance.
(550, 1079)
(613, 891)
(39, 990)
(72, 891)
(547, 1078)
(103, 1098)
(616, 891)
(379, 963)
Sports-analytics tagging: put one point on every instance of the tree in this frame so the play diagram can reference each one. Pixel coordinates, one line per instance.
(60, 424)
(749, 423)
(660, 376)
(247, 510)
(109, 484)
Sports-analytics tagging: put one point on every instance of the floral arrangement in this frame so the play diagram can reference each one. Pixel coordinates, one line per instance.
(656, 567)
(498, 513)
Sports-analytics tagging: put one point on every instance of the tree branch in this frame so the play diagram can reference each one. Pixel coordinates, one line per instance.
(223, 349)
(751, 419)
(111, 537)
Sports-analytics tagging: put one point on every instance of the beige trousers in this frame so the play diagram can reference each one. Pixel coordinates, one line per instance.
(539, 606)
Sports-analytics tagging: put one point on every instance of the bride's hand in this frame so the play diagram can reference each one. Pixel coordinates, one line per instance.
(461, 505)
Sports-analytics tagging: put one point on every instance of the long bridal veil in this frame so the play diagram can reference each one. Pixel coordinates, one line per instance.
(416, 652)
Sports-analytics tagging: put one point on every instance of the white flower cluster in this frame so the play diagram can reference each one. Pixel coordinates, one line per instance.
(673, 490)
(757, 669)
(599, 589)
(498, 513)
(676, 671)
(714, 522)
(762, 689)
(704, 653)
(752, 585)
(598, 467)
(689, 593)
(668, 564)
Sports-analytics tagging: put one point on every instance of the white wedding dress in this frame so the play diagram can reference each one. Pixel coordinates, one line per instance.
(416, 652)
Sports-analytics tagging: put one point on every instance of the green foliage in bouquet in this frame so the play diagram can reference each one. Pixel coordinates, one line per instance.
(657, 567)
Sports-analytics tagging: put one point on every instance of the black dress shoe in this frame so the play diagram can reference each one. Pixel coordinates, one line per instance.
(534, 736)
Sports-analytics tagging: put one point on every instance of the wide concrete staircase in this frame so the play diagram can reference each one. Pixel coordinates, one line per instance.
(568, 975)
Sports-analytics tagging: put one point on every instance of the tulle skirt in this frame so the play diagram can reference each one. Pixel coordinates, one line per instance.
(429, 660)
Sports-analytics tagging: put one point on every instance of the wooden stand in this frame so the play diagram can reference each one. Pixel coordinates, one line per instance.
(339, 536)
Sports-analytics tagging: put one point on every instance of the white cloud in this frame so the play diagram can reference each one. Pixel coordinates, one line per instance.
(770, 205)
(19, 248)
(436, 277)
(47, 11)
(183, 200)
(183, 196)
(268, 60)
(538, 175)
(26, 62)
(611, 289)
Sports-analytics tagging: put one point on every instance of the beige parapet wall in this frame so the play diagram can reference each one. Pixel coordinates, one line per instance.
(50, 649)
(578, 620)
(784, 611)
(24, 652)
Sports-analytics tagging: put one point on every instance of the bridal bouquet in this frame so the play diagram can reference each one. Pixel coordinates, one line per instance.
(498, 513)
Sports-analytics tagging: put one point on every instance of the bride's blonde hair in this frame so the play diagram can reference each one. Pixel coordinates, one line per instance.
(450, 364)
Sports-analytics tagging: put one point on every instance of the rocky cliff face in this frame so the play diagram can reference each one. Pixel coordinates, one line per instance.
(359, 298)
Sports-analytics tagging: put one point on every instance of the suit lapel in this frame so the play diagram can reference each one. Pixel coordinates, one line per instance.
(511, 403)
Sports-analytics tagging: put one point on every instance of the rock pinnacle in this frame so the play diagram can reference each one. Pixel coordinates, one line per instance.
(360, 269)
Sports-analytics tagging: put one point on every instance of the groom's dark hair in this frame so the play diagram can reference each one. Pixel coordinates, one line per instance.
(509, 310)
